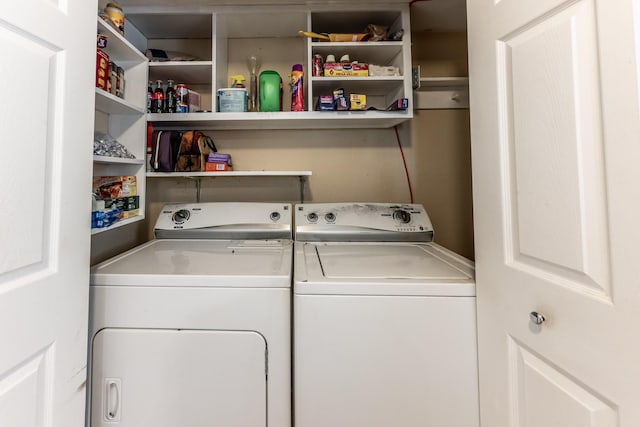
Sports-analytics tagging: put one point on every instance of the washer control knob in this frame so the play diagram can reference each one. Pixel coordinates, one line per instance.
(401, 216)
(275, 216)
(181, 216)
(312, 217)
(330, 217)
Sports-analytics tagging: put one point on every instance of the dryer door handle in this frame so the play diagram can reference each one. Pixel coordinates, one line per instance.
(112, 399)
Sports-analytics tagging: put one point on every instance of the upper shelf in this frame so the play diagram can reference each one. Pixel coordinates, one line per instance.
(111, 104)
(280, 120)
(193, 72)
(379, 53)
(369, 85)
(119, 48)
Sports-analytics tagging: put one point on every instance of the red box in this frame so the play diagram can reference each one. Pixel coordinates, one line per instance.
(102, 69)
(217, 167)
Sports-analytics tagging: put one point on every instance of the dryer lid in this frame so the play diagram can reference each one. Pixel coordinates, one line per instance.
(199, 263)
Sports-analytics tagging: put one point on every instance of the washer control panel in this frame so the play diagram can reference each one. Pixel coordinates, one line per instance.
(362, 221)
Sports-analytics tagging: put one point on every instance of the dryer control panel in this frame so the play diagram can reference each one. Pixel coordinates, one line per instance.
(225, 221)
(362, 222)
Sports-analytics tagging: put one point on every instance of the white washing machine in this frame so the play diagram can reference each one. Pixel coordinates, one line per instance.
(193, 329)
(384, 321)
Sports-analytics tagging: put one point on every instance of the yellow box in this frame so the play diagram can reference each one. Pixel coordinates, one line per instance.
(357, 101)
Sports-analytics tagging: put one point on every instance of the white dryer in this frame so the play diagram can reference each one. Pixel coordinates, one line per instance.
(193, 328)
(384, 321)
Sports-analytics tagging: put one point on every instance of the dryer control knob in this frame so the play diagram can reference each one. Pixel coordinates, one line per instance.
(401, 216)
(275, 216)
(312, 217)
(180, 216)
(330, 217)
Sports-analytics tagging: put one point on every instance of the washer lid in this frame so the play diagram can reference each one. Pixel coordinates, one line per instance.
(202, 263)
(384, 262)
(381, 269)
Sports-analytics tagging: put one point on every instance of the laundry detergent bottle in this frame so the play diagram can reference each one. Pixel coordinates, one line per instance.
(297, 88)
(270, 91)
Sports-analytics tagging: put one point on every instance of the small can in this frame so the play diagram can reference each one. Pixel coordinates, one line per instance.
(182, 95)
(113, 78)
(120, 82)
(317, 68)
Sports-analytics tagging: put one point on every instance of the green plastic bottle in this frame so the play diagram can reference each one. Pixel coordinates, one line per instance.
(270, 91)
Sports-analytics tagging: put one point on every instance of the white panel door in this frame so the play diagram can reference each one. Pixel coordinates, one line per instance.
(170, 378)
(555, 129)
(46, 119)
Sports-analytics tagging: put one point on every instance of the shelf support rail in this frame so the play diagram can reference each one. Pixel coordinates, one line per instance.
(302, 179)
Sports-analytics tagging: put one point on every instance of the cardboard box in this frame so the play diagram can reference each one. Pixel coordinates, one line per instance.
(334, 69)
(357, 101)
(219, 158)
(340, 103)
(380, 70)
(102, 70)
(325, 103)
(194, 101)
(217, 167)
(128, 206)
(113, 187)
(399, 104)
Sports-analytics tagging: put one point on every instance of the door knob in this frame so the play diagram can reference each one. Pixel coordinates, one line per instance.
(536, 318)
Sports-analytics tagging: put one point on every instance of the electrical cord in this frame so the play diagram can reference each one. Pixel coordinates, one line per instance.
(404, 162)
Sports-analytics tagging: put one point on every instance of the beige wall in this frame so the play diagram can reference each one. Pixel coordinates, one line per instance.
(347, 165)
(442, 145)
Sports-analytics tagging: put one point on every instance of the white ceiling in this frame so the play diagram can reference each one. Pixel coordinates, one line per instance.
(426, 15)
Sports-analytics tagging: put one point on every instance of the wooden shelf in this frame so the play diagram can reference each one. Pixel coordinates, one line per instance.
(124, 119)
(441, 93)
(189, 72)
(226, 174)
(118, 46)
(111, 104)
(118, 224)
(280, 120)
(117, 160)
(371, 86)
(378, 53)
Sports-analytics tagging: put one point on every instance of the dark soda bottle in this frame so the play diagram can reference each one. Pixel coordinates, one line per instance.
(157, 100)
(170, 98)
(149, 96)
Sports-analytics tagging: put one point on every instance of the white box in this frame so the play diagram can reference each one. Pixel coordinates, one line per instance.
(194, 101)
